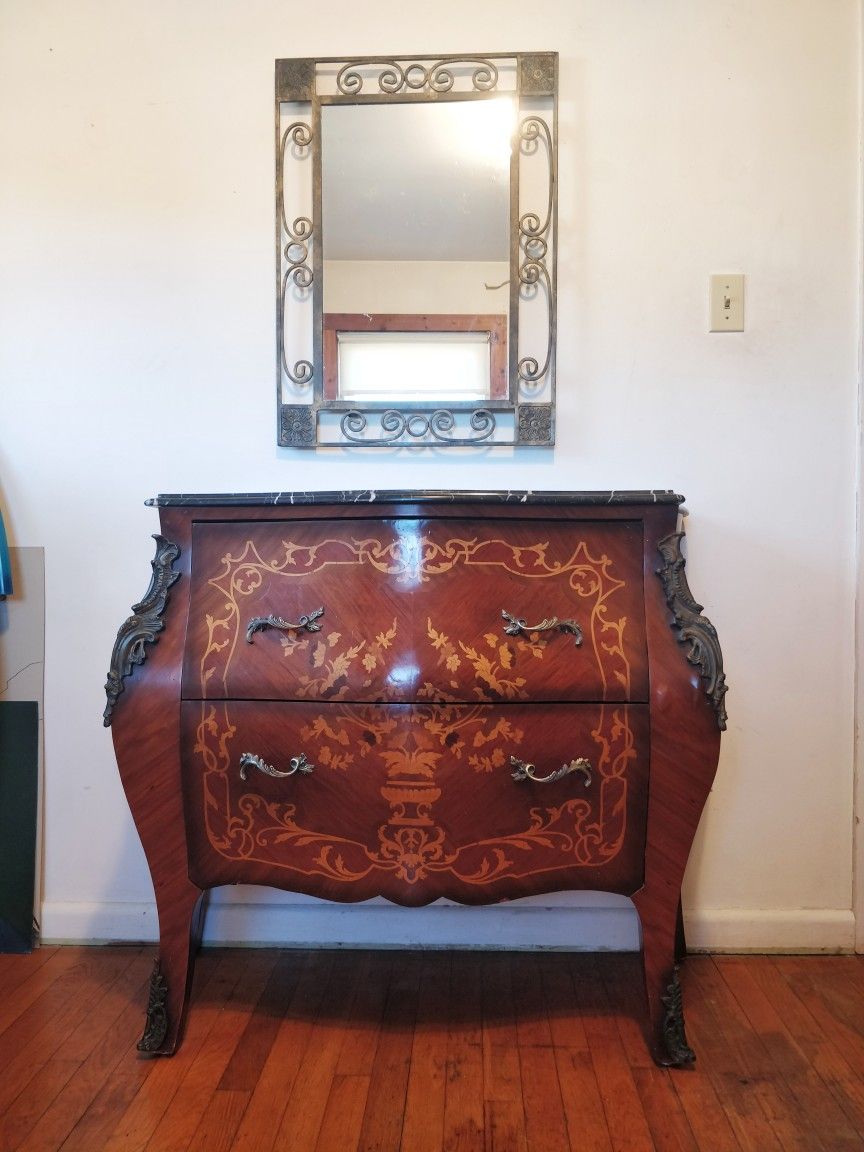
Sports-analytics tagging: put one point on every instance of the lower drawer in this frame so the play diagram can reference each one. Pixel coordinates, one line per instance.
(415, 802)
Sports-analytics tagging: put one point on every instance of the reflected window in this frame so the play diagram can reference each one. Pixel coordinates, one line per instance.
(413, 366)
(431, 358)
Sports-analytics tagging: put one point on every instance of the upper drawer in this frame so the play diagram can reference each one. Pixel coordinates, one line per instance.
(414, 610)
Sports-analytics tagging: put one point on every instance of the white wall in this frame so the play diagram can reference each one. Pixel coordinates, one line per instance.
(137, 356)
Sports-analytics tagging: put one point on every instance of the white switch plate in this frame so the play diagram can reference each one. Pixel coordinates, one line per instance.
(726, 302)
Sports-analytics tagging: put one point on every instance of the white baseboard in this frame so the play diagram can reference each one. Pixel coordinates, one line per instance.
(770, 930)
(584, 922)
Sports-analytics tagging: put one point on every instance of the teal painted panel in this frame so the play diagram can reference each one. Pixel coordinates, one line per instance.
(5, 566)
(19, 785)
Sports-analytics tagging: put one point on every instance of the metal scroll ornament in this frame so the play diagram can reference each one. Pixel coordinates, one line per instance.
(298, 764)
(297, 422)
(517, 627)
(304, 624)
(298, 239)
(436, 428)
(523, 771)
(436, 77)
(535, 424)
(156, 1026)
(143, 626)
(676, 1050)
(693, 628)
(534, 238)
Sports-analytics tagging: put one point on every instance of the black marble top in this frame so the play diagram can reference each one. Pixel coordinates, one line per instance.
(424, 496)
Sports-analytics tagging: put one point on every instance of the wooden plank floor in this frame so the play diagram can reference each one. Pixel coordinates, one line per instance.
(424, 1052)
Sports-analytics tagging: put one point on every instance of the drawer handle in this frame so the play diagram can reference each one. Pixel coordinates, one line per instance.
(250, 760)
(515, 626)
(526, 771)
(305, 624)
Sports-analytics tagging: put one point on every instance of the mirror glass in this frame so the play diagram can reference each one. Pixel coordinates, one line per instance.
(417, 182)
(415, 220)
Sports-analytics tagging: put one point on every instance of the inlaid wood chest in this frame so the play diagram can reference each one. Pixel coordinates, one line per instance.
(475, 696)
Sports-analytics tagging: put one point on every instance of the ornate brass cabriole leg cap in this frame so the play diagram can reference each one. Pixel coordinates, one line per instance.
(675, 1049)
(156, 1027)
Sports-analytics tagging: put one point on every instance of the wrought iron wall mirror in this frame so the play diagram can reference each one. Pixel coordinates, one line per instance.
(416, 221)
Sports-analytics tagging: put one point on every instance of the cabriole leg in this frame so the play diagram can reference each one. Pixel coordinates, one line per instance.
(662, 986)
(180, 921)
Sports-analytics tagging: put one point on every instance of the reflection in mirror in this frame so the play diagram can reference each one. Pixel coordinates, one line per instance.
(417, 181)
(416, 235)
(413, 366)
(415, 214)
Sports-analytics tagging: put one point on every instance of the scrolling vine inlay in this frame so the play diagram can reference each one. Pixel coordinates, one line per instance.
(450, 723)
(340, 661)
(411, 752)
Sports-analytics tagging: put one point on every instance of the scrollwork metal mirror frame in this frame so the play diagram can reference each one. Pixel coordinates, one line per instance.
(526, 416)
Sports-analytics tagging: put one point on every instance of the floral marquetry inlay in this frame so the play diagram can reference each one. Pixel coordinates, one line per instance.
(493, 664)
(372, 645)
(412, 758)
(332, 658)
(413, 675)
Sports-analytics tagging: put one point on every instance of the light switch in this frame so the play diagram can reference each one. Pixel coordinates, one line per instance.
(726, 302)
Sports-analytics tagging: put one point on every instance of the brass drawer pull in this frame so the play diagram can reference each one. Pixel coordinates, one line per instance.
(304, 624)
(516, 627)
(526, 771)
(250, 760)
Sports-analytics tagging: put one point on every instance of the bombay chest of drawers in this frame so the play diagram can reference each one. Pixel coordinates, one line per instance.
(476, 696)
